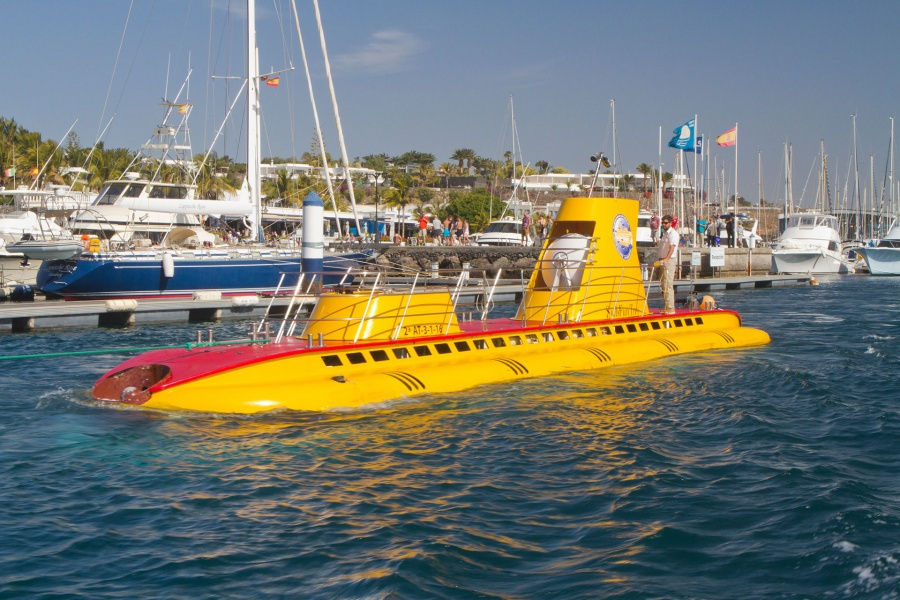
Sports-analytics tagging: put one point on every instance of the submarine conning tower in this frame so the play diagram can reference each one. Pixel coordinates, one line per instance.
(589, 267)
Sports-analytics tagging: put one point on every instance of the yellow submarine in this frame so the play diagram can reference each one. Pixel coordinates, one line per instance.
(585, 307)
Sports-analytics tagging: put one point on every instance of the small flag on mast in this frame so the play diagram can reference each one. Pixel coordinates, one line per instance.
(729, 138)
(273, 81)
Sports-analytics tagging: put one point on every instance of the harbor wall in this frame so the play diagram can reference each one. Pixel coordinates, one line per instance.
(519, 261)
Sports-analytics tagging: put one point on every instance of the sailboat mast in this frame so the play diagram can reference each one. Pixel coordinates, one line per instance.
(891, 178)
(860, 233)
(319, 134)
(612, 108)
(253, 158)
(513, 133)
(337, 116)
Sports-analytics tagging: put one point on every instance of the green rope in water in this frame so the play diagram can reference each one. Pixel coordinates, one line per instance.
(188, 346)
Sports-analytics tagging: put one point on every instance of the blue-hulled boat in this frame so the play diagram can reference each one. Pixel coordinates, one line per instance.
(103, 275)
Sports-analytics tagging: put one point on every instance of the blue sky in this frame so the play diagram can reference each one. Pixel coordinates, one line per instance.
(436, 76)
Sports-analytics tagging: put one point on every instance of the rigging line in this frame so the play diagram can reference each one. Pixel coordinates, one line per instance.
(288, 59)
(315, 111)
(808, 177)
(134, 59)
(115, 67)
(337, 116)
(187, 14)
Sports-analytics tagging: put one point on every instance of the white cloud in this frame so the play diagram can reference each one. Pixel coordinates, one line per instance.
(387, 51)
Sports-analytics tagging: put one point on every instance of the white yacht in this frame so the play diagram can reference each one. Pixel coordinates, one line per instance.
(502, 232)
(884, 257)
(31, 220)
(810, 243)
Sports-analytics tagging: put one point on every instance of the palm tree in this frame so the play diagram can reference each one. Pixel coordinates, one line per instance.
(542, 166)
(212, 185)
(645, 170)
(666, 180)
(398, 195)
(470, 157)
(459, 155)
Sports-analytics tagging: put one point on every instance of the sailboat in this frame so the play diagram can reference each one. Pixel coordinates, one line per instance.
(506, 230)
(186, 261)
(810, 242)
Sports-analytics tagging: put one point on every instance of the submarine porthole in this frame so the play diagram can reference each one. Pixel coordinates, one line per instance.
(332, 360)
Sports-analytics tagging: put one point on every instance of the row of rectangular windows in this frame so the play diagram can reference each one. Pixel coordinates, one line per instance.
(356, 358)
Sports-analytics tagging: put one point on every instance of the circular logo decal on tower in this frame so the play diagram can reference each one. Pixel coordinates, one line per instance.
(622, 238)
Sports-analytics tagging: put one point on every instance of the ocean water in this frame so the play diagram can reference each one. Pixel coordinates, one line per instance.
(765, 473)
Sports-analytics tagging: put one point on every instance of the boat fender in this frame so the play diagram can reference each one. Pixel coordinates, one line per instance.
(245, 300)
(206, 295)
(22, 293)
(128, 305)
(708, 303)
(86, 240)
(168, 265)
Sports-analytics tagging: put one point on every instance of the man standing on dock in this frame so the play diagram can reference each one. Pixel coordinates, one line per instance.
(668, 245)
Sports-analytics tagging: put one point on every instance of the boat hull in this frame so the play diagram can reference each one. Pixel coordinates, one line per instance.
(815, 261)
(881, 261)
(92, 277)
(290, 375)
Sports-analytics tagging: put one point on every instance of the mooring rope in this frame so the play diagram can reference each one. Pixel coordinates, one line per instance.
(187, 346)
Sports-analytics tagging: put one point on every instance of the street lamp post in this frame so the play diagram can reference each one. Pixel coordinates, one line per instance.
(377, 231)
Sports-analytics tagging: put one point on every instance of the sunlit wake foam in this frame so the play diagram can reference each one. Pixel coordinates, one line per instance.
(815, 317)
(63, 395)
(881, 572)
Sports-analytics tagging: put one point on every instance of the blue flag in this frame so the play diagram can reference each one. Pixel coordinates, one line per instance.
(685, 138)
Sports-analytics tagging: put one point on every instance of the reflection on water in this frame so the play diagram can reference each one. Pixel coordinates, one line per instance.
(769, 471)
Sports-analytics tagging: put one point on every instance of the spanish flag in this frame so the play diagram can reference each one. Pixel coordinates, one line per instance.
(273, 81)
(729, 138)
(34, 172)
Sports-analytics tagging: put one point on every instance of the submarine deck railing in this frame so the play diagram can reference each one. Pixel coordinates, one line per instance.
(596, 298)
